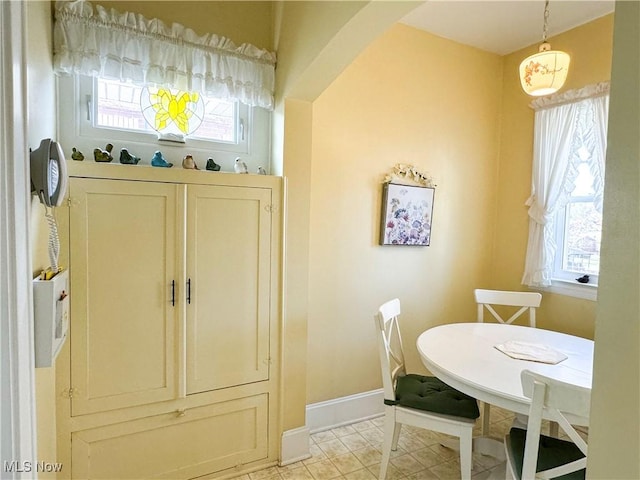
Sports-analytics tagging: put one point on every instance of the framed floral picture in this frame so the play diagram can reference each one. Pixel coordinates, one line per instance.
(406, 215)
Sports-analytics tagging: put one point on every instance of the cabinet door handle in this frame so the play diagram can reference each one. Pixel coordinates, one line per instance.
(189, 291)
(173, 293)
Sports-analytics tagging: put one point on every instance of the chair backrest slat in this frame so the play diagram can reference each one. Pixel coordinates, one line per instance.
(527, 301)
(556, 399)
(390, 346)
(560, 396)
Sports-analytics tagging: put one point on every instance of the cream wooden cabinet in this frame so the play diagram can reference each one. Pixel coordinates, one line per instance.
(172, 367)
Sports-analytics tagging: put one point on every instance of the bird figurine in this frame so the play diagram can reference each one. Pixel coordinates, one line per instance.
(583, 279)
(213, 166)
(189, 163)
(158, 160)
(109, 148)
(261, 171)
(76, 154)
(240, 166)
(127, 158)
(100, 155)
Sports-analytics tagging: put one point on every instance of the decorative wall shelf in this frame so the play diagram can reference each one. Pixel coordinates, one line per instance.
(403, 173)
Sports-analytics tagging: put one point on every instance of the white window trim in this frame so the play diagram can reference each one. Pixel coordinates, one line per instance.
(586, 291)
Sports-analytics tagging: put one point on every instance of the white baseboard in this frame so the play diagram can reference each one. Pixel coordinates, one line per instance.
(326, 415)
(295, 446)
(345, 410)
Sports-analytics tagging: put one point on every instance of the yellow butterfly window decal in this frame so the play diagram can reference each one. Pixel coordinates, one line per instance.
(172, 111)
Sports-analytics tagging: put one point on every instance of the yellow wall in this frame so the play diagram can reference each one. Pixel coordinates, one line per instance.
(298, 44)
(304, 28)
(42, 124)
(590, 47)
(415, 98)
(615, 415)
(241, 22)
(315, 41)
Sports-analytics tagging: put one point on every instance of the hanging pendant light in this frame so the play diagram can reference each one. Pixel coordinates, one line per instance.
(545, 72)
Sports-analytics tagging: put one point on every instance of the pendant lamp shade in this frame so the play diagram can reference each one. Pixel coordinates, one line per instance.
(545, 72)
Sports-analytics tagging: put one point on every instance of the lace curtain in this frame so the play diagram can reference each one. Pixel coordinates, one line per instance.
(126, 46)
(568, 128)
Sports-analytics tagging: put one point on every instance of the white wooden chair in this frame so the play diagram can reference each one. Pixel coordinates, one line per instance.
(532, 455)
(521, 303)
(524, 301)
(417, 400)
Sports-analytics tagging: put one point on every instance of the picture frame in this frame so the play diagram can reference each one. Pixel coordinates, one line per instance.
(407, 213)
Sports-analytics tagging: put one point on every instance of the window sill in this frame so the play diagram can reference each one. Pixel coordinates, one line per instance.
(586, 291)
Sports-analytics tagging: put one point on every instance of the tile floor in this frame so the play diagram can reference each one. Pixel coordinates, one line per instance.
(353, 453)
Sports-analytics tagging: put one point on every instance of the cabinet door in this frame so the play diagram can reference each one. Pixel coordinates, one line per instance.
(228, 271)
(123, 323)
(188, 444)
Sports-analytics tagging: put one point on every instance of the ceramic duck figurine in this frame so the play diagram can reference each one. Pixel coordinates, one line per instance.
(100, 155)
(213, 166)
(158, 160)
(261, 171)
(127, 158)
(76, 154)
(189, 163)
(240, 166)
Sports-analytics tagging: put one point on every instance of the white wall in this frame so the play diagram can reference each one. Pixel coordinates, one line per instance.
(17, 408)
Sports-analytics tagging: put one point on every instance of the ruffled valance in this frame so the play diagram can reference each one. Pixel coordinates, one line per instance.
(570, 96)
(126, 46)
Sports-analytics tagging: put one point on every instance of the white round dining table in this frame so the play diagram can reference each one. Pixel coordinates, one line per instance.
(463, 355)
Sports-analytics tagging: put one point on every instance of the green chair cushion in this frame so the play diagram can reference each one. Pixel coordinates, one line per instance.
(433, 395)
(553, 453)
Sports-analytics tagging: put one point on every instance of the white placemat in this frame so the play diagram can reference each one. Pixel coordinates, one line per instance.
(534, 352)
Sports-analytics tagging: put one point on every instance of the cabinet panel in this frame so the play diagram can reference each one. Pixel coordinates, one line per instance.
(229, 269)
(202, 440)
(123, 324)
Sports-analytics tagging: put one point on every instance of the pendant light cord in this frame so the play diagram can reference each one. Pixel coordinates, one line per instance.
(546, 21)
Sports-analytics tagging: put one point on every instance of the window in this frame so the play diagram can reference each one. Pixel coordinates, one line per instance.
(125, 106)
(565, 206)
(153, 113)
(147, 119)
(200, 122)
(578, 232)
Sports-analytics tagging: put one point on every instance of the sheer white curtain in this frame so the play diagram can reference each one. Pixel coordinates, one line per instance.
(126, 46)
(566, 126)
